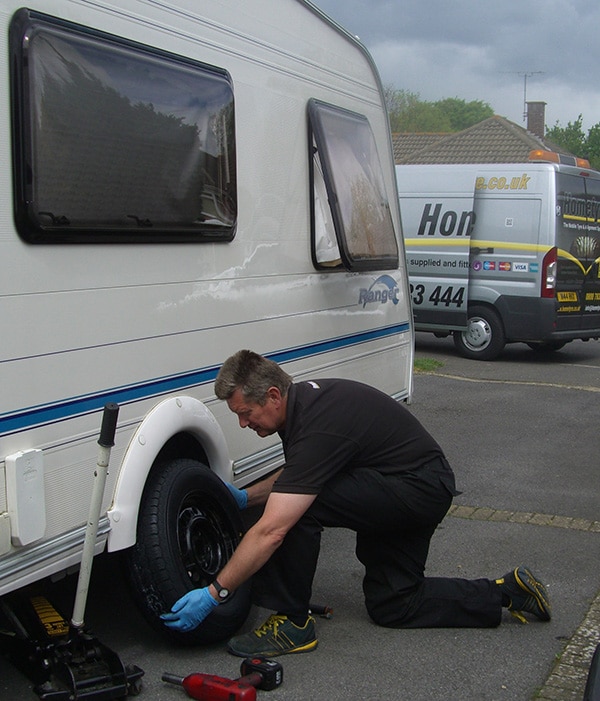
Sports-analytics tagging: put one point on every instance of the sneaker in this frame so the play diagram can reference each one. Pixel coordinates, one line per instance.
(525, 594)
(277, 636)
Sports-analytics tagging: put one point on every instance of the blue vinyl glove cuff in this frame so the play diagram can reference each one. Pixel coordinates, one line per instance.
(188, 612)
(240, 495)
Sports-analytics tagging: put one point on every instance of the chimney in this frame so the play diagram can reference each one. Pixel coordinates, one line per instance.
(536, 118)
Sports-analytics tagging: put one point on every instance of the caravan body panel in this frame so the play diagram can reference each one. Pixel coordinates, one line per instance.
(104, 303)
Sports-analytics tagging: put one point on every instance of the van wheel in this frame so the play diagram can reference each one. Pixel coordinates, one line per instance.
(484, 338)
(188, 527)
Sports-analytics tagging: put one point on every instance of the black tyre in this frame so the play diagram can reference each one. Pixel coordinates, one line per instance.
(547, 346)
(592, 687)
(188, 527)
(484, 338)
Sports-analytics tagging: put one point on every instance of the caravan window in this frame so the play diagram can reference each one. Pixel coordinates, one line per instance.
(114, 141)
(351, 221)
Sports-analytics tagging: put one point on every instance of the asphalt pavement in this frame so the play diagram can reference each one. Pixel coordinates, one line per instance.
(522, 435)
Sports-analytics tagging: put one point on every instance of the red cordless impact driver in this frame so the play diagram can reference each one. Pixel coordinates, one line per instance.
(257, 673)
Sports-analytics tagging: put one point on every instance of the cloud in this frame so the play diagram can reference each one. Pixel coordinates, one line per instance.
(487, 51)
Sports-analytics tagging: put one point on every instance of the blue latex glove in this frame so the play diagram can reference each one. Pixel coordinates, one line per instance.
(240, 495)
(188, 612)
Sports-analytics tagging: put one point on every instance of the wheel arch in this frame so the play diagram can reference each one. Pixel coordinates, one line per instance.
(179, 426)
(492, 306)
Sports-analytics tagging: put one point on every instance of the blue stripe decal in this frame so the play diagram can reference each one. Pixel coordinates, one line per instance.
(86, 404)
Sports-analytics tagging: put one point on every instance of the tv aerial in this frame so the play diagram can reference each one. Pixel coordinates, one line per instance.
(525, 75)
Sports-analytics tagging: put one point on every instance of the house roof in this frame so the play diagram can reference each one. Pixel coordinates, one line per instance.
(494, 140)
(407, 144)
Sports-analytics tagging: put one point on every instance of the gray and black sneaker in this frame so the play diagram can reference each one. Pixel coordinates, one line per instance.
(524, 593)
(277, 636)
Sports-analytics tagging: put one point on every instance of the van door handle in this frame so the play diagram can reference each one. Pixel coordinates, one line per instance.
(476, 251)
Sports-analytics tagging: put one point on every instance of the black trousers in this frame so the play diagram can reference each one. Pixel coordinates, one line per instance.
(394, 518)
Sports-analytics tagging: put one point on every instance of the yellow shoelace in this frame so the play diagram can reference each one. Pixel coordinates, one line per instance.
(272, 623)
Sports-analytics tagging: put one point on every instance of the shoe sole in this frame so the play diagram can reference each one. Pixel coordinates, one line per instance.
(274, 653)
(529, 583)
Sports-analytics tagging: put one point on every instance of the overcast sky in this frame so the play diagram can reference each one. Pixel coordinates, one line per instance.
(482, 49)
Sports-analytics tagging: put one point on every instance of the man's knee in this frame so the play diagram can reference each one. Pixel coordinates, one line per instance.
(389, 616)
(391, 611)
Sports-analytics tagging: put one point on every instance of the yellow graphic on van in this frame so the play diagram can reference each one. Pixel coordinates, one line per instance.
(566, 296)
(517, 182)
(578, 263)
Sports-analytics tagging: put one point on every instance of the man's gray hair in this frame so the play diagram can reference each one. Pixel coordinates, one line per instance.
(253, 374)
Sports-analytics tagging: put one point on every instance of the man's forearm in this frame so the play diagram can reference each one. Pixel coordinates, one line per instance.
(251, 554)
(259, 493)
(281, 512)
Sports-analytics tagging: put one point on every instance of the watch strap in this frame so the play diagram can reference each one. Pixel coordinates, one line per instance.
(222, 592)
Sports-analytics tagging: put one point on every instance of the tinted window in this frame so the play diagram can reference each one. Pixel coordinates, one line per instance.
(351, 218)
(116, 142)
(578, 226)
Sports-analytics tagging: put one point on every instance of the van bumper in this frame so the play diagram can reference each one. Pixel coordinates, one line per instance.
(535, 319)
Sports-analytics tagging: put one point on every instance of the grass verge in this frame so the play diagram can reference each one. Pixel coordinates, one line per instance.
(427, 365)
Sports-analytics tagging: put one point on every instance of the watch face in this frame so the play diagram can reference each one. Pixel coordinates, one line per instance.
(223, 593)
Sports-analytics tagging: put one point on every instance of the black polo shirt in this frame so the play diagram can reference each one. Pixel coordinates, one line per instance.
(334, 425)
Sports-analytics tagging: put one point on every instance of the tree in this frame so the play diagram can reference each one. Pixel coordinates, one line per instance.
(422, 117)
(573, 138)
(570, 137)
(396, 101)
(593, 146)
(464, 114)
(408, 113)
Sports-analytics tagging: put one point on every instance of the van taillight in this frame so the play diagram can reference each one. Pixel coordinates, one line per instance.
(549, 273)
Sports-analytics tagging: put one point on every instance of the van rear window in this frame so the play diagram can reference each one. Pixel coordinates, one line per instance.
(351, 220)
(114, 141)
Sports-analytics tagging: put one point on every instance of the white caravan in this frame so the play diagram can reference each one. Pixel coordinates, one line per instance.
(503, 252)
(181, 180)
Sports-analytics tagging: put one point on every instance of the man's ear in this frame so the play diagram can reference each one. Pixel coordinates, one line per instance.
(274, 394)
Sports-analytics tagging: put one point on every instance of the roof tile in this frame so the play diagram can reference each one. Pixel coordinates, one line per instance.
(494, 140)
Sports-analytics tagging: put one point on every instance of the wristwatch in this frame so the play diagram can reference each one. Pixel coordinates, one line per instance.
(222, 593)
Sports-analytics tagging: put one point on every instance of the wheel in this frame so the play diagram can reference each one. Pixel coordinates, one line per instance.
(547, 346)
(188, 527)
(484, 338)
(592, 686)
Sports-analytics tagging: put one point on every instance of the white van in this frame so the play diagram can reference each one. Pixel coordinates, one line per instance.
(504, 252)
(181, 180)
